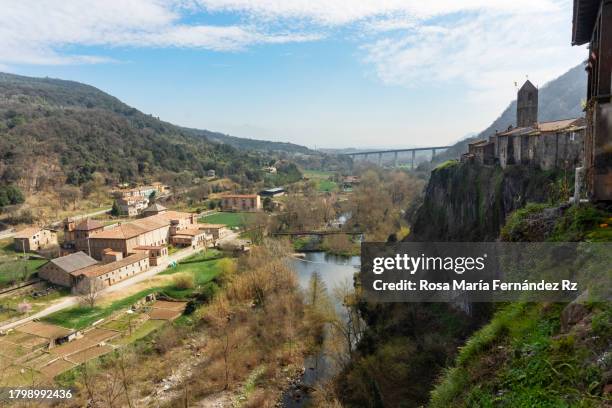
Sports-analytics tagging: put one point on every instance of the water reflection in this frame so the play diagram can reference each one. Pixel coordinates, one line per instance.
(334, 270)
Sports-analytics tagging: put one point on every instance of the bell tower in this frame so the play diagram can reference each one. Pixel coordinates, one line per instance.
(527, 105)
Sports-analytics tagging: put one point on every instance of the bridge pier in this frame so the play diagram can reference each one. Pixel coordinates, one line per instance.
(395, 159)
(413, 159)
(433, 154)
(380, 159)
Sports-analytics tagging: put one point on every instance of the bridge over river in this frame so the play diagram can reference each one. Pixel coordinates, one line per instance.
(396, 152)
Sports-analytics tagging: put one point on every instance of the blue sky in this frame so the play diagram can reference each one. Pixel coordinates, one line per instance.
(324, 73)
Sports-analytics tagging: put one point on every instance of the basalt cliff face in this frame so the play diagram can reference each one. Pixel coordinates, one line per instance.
(468, 202)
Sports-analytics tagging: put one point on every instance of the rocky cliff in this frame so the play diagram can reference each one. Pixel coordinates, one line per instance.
(469, 202)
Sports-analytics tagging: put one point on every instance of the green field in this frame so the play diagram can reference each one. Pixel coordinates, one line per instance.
(13, 270)
(322, 180)
(6, 247)
(203, 266)
(231, 219)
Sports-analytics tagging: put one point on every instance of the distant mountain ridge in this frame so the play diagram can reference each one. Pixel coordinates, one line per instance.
(251, 144)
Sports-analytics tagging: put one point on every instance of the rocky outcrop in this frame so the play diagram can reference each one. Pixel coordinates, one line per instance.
(469, 202)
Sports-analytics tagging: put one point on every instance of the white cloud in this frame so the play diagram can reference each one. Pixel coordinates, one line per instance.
(40, 32)
(338, 12)
(483, 50)
(484, 44)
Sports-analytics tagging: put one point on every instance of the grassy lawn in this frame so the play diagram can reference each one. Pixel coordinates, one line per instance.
(14, 269)
(231, 219)
(203, 266)
(322, 180)
(141, 331)
(318, 174)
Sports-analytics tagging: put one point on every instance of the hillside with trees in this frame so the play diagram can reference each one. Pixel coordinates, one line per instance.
(55, 132)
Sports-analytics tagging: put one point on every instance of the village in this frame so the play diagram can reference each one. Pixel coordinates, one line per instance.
(98, 258)
(93, 284)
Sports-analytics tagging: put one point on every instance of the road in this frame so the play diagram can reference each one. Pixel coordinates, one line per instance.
(74, 300)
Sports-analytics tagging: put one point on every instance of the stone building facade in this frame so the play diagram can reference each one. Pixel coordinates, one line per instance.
(241, 202)
(59, 270)
(149, 231)
(34, 238)
(592, 25)
(104, 275)
(547, 145)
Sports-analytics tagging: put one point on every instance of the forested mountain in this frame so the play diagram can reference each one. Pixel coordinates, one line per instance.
(54, 132)
(252, 144)
(560, 98)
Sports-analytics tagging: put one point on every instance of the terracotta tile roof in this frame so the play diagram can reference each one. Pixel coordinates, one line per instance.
(517, 131)
(557, 125)
(132, 229)
(74, 262)
(27, 232)
(190, 232)
(156, 207)
(88, 225)
(99, 270)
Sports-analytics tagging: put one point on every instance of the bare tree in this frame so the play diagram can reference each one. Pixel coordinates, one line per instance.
(91, 292)
(348, 327)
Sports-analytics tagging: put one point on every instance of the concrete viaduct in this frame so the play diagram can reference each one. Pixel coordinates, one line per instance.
(395, 152)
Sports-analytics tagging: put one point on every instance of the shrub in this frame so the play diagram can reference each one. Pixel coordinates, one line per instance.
(184, 281)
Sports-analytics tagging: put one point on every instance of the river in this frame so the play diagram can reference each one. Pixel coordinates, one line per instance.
(334, 270)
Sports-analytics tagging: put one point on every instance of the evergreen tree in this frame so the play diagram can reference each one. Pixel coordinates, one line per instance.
(115, 210)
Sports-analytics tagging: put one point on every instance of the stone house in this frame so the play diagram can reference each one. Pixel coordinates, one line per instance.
(548, 145)
(103, 275)
(157, 254)
(483, 151)
(194, 237)
(154, 209)
(34, 238)
(59, 270)
(132, 205)
(141, 191)
(241, 202)
(155, 230)
(76, 235)
(217, 231)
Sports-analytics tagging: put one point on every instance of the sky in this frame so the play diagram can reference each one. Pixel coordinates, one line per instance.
(320, 73)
